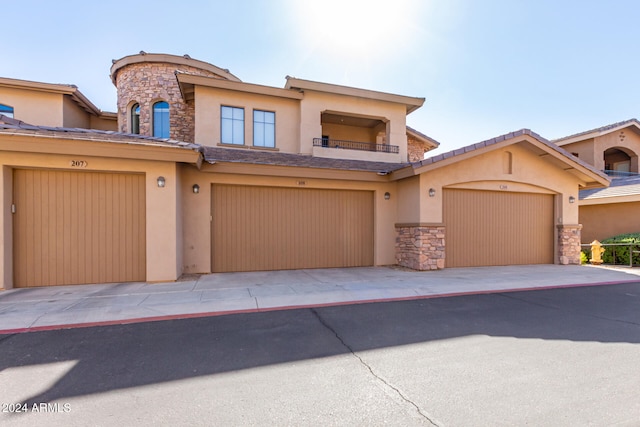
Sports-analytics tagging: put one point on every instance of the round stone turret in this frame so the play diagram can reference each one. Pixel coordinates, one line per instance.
(146, 80)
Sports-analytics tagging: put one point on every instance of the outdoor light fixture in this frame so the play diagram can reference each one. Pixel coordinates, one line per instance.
(161, 181)
(572, 199)
(387, 195)
(196, 188)
(432, 192)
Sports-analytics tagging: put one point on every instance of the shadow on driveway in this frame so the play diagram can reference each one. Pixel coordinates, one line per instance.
(117, 357)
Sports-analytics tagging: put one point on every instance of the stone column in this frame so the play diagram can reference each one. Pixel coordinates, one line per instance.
(420, 246)
(569, 244)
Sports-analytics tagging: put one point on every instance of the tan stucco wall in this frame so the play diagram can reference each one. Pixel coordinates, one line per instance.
(179, 229)
(36, 108)
(530, 173)
(6, 227)
(584, 149)
(207, 122)
(410, 199)
(103, 124)
(315, 103)
(608, 220)
(162, 249)
(592, 150)
(626, 139)
(73, 116)
(196, 209)
(350, 133)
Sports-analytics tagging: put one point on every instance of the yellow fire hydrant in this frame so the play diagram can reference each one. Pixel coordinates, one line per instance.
(596, 253)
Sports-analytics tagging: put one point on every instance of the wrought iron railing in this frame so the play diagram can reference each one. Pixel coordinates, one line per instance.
(355, 145)
(618, 174)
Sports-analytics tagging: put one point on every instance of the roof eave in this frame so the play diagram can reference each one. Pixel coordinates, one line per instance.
(411, 103)
(143, 57)
(422, 137)
(590, 177)
(605, 130)
(187, 83)
(69, 144)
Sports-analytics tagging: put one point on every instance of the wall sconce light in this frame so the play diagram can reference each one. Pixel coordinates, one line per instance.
(432, 192)
(196, 188)
(161, 181)
(387, 195)
(572, 199)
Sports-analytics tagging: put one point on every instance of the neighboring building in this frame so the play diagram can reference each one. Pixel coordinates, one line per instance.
(211, 174)
(54, 105)
(614, 148)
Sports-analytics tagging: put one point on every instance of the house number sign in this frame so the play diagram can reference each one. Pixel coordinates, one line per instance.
(79, 163)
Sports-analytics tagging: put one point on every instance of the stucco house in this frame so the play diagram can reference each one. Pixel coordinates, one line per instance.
(49, 104)
(613, 210)
(205, 173)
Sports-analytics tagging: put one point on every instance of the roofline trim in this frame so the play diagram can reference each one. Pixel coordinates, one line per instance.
(37, 86)
(420, 135)
(603, 130)
(508, 139)
(412, 103)
(184, 155)
(186, 78)
(59, 88)
(143, 57)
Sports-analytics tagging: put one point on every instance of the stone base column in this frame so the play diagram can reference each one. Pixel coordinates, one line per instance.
(420, 246)
(569, 244)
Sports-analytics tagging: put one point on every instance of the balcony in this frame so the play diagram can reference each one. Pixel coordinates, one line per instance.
(354, 145)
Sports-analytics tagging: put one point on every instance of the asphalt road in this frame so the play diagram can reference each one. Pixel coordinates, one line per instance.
(556, 357)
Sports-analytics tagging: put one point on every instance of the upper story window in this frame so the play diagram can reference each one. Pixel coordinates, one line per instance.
(6, 110)
(264, 128)
(232, 125)
(135, 118)
(161, 119)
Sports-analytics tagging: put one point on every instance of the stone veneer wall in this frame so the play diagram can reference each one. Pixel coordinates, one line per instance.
(420, 246)
(147, 83)
(416, 149)
(569, 244)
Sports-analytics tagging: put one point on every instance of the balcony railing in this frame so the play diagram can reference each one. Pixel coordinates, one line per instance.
(619, 174)
(355, 145)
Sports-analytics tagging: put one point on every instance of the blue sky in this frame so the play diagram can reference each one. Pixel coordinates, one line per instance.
(485, 67)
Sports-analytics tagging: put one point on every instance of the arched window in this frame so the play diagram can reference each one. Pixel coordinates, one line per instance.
(161, 119)
(5, 110)
(135, 118)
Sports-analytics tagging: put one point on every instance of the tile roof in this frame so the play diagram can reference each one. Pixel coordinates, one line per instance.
(473, 147)
(259, 157)
(17, 127)
(600, 129)
(620, 186)
(498, 139)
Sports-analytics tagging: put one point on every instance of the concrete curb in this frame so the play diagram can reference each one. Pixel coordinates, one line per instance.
(297, 307)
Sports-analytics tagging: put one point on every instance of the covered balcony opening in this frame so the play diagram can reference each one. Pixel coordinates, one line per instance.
(620, 161)
(353, 132)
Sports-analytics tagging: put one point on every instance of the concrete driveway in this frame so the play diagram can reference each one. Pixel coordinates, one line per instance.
(560, 357)
(215, 294)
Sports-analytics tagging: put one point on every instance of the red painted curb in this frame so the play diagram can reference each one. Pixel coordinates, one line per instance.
(296, 307)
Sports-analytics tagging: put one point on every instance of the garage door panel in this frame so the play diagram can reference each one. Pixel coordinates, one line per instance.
(268, 228)
(498, 228)
(78, 227)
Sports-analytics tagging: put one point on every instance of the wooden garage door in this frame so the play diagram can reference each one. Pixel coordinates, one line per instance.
(78, 227)
(497, 228)
(265, 228)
